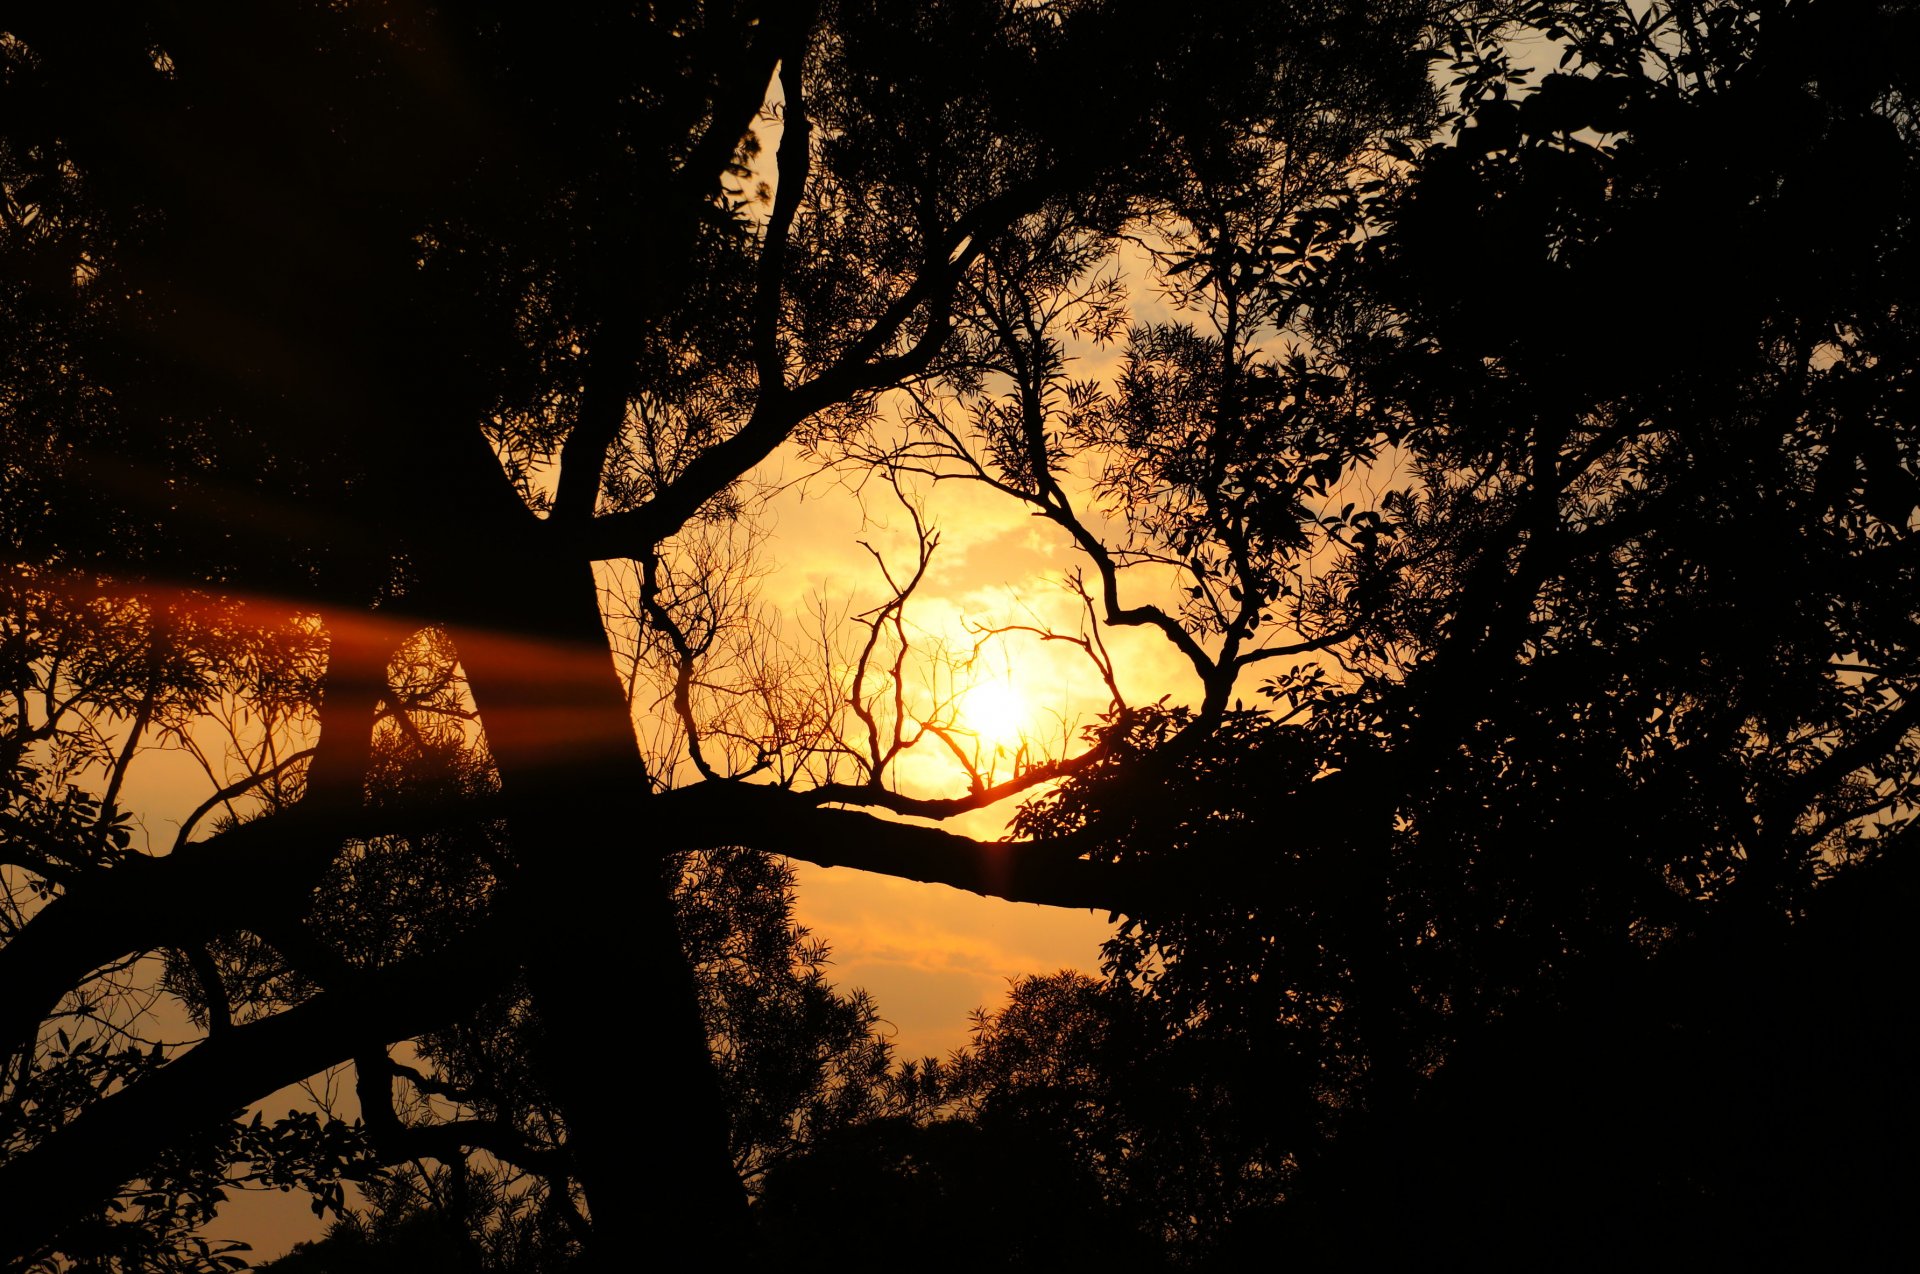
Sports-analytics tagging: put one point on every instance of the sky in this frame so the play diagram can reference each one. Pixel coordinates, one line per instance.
(929, 955)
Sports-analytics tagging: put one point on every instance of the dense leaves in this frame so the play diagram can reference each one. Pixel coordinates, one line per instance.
(1632, 722)
(1529, 444)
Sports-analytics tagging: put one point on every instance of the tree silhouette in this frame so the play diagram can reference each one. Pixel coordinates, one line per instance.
(405, 320)
(796, 1063)
(1580, 608)
(1544, 889)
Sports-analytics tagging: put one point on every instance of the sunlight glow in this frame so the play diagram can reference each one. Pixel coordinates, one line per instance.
(996, 713)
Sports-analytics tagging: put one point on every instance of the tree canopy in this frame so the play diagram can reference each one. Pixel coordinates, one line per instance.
(1506, 420)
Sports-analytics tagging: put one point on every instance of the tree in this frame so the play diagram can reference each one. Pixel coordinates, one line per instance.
(1544, 890)
(403, 320)
(796, 1062)
(1584, 624)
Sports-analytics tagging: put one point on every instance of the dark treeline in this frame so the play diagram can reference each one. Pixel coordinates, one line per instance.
(1526, 473)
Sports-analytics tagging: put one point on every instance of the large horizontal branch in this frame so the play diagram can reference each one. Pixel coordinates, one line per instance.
(242, 877)
(143, 903)
(1049, 872)
(120, 1136)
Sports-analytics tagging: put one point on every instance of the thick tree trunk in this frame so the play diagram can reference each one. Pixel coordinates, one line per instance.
(604, 961)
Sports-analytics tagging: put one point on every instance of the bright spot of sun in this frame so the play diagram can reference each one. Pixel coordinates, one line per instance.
(995, 712)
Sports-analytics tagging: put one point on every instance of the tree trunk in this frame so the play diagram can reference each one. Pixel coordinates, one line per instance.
(595, 898)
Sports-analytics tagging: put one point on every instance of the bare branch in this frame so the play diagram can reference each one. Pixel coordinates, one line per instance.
(662, 619)
(874, 796)
(233, 791)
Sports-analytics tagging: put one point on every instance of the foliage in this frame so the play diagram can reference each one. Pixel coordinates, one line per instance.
(794, 1056)
(1632, 704)
(797, 1061)
(1534, 449)
(982, 1144)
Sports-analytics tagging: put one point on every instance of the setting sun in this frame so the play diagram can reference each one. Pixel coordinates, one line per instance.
(996, 713)
(1130, 636)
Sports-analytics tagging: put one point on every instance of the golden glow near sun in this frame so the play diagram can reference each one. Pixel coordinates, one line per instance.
(995, 713)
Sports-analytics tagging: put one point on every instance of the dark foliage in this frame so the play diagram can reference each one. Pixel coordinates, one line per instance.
(1556, 902)
(1539, 462)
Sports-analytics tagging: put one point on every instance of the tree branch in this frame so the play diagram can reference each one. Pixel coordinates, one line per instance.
(1047, 872)
(739, 98)
(627, 308)
(243, 878)
(117, 1137)
(874, 796)
(233, 790)
(450, 1141)
(632, 532)
(792, 167)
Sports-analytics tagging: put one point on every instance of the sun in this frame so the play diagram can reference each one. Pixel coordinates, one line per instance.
(996, 713)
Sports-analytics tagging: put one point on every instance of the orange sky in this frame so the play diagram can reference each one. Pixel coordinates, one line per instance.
(929, 955)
